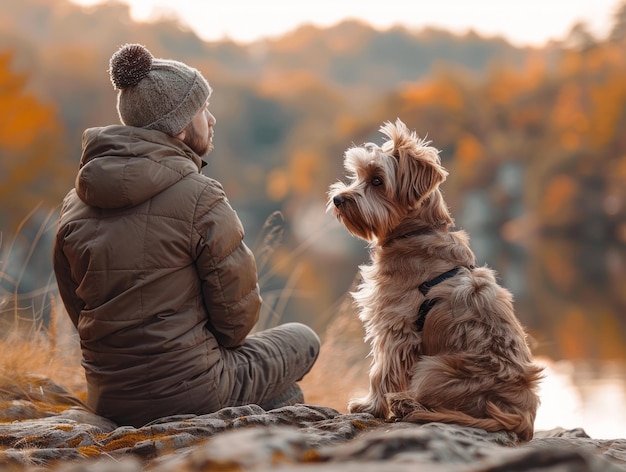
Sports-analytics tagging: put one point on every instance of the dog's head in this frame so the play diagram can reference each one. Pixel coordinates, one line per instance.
(389, 183)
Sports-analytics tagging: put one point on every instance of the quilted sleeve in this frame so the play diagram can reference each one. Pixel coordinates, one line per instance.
(227, 269)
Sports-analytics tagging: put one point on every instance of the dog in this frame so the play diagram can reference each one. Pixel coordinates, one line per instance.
(446, 345)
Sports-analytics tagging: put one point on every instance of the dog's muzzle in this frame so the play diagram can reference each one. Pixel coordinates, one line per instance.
(338, 200)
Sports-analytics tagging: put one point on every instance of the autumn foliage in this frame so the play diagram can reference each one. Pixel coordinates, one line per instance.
(535, 139)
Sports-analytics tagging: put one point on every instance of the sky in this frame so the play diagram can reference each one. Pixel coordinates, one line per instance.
(522, 22)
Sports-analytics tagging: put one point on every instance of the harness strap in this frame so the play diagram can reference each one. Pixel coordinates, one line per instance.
(423, 311)
(428, 303)
(426, 286)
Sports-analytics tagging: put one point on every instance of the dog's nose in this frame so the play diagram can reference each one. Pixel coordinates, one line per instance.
(338, 200)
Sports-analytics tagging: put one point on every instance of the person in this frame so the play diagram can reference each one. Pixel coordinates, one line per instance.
(152, 268)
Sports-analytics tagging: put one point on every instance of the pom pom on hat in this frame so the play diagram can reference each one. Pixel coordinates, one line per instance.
(159, 94)
(130, 64)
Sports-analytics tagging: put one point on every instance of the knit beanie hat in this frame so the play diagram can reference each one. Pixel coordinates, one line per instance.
(159, 94)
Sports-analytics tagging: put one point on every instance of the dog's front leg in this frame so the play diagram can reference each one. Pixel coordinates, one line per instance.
(374, 402)
(388, 375)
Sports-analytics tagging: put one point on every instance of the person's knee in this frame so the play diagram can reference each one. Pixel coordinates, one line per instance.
(314, 343)
(312, 340)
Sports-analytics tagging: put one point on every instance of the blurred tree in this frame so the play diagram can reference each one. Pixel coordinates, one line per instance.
(580, 38)
(618, 29)
(569, 118)
(30, 137)
(534, 138)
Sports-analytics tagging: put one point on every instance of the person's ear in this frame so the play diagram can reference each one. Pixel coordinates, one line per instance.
(181, 135)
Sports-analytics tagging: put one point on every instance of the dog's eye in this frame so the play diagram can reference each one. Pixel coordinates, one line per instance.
(376, 181)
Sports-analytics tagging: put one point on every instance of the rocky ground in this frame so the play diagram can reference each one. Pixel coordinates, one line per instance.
(42, 427)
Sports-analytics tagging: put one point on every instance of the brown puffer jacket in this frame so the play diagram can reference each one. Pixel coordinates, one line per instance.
(152, 269)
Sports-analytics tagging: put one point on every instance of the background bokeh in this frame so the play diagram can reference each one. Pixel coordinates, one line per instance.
(534, 139)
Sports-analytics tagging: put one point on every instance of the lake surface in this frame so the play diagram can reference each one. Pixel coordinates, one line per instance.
(588, 395)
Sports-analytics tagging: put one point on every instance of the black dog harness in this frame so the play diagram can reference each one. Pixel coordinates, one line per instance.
(430, 302)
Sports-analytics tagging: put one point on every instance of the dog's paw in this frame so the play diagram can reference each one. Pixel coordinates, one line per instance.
(358, 406)
(364, 405)
(402, 405)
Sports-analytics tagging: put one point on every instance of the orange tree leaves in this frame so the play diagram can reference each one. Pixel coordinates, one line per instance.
(29, 144)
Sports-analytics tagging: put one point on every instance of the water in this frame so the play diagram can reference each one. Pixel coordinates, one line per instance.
(584, 395)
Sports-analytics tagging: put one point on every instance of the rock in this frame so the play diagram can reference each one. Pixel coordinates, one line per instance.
(49, 430)
(294, 438)
(34, 396)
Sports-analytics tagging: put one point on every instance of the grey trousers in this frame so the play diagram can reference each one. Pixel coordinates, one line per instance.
(267, 364)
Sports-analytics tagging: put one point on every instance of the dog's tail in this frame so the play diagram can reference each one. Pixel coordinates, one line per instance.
(498, 421)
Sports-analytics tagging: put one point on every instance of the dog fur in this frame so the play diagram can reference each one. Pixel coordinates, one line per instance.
(471, 364)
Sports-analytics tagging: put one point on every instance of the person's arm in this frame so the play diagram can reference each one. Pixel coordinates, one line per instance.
(227, 271)
(65, 282)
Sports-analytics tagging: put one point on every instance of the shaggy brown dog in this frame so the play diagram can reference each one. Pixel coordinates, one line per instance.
(445, 343)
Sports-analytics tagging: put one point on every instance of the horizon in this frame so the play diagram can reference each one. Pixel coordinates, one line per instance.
(532, 23)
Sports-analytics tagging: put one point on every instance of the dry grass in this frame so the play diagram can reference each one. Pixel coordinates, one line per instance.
(34, 358)
(341, 371)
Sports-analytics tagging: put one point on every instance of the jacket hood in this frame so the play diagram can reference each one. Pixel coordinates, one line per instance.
(123, 166)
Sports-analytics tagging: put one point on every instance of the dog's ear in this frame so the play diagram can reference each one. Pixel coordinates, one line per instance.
(421, 174)
(419, 168)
